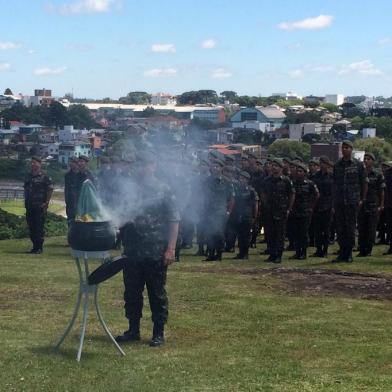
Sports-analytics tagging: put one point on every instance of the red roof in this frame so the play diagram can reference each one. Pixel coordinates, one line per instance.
(226, 151)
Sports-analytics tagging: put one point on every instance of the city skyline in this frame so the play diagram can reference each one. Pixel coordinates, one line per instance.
(106, 48)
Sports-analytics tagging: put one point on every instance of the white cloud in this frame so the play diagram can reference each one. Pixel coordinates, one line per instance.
(49, 71)
(364, 67)
(221, 73)
(5, 67)
(31, 51)
(160, 72)
(85, 7)
(9, 45)
(384, 41)
(318, 22)
(296, 74)
(163, 48)
(208, 44)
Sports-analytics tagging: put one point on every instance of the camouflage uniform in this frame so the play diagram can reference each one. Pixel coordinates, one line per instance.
(322, 215)
(71, 193)
(145, 241)
(244, 210)
(276, 194)
(219, 195)
(37, 189)
(368, 214)
(349, 178)
(306, 193)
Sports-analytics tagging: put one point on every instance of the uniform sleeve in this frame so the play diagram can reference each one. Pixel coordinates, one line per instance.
(290, 186)
(363, 177)
(381, 181)
(172, 207)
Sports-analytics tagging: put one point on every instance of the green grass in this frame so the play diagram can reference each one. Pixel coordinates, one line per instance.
(227, 331)
(17, 207)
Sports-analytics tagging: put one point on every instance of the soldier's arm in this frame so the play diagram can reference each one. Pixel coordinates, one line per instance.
(316, 196)
(364, 183)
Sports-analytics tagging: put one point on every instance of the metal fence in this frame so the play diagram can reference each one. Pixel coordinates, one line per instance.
(11, 193)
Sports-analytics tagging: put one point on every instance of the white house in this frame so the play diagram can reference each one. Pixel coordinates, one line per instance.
(298, 131)
(368, 132)
(73, 149)
(68, 133)
(335, 99)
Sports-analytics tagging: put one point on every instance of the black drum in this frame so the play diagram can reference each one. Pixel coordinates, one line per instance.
(92, 236)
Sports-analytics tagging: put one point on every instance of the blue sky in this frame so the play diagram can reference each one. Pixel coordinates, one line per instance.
(106, 48)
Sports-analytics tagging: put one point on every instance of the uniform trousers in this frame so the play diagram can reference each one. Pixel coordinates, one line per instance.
(149, 273)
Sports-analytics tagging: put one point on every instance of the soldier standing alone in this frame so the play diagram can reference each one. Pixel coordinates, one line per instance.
(38, 189)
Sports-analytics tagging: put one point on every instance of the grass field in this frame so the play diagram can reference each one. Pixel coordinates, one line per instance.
(17, 207)
(234, 326)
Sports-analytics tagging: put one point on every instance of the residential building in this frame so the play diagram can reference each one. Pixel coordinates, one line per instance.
(279, 133)
(256, 125)
(69, 133)
(214, 114)
(368, 132)
(335, 99)
(298, 131)
(73, 149)
(287, 96)
(268, 114)
(6, 136)
(163, 99)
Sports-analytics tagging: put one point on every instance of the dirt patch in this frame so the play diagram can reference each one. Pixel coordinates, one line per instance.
(320, 281)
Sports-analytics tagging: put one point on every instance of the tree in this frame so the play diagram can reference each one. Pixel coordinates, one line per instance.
(79, 116)
(136, 98)
(149, 112)
(381, 149)
(8, 91)
(330, 107)
(230, 96)
(289, 148)
(57, 115)
(198, 97)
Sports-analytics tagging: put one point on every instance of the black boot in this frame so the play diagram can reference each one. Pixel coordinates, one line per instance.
(158, 337)
(341, 256)
(319, 252)
(349, 256)
(296, 255)
(302, 255)
(133, 333)
(325, 250)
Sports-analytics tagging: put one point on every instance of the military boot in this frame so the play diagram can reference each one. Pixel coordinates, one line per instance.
(158, 337)
(296, 255)
(133, 333)
(302, 255)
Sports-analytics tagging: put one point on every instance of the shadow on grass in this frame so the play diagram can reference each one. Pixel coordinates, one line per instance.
(69, 353)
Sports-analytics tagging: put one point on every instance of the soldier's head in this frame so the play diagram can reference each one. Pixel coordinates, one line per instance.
(83, 163)
(314, 166)
(369, 160)
(325, 163)
(35, 164)
(252, 158)
(216, 167)
(73, 164)
(347, 149)
(244, 162)
(301, 171)
(276, 167)
(386, 166)
(244, 177)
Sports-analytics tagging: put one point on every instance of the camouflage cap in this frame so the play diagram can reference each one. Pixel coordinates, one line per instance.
(387, 164)
(287, 160)
(348, 143)
(219, 162)
(370, 155)
(36, 158)
(245, 174)
(325, 159)
(277, 161)
(84, 158)
(314, 161)
(301, 166)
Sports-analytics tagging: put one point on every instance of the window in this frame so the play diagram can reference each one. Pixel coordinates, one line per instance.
(249, 116)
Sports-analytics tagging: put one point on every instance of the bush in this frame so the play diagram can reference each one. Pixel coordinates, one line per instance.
(13, 226)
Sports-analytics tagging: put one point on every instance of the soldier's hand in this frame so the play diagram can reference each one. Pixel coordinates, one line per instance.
(360, 203)
(169, 257)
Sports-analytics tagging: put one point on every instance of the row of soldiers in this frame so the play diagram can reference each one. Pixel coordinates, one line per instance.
(288, 199)
(282, 197)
